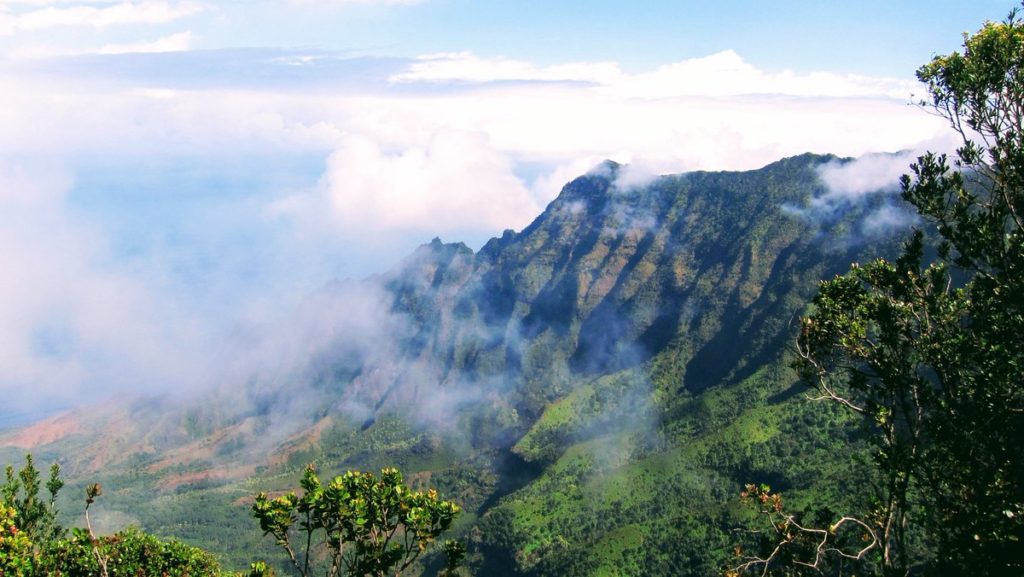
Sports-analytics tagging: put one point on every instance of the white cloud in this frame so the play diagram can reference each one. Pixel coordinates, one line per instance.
(453, 182)
(99, 16)
(173, 43)
(851, 182)
(545, 185)
(871, 184)
(179, 42)
(74, 321)
(727, 73)
(847, 181)
(467, 67)
(642, 171)
(722, 74)
(888, 219)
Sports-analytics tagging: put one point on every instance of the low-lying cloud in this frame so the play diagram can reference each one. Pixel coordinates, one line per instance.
(887, 219)
(76, 322)
(869, 186)
(847, 182)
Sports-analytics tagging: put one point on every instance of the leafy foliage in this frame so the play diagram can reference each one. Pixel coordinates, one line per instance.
(36, 517)
(358, 522)
(127, 552)
(929, 354)
(16, 556)
(32, 543)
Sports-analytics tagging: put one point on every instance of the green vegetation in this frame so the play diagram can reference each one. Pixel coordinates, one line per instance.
(37, 518)
(928, 354)
(356, 525)
(15, 547)
(631, 501)
(32, 543)
(357, 522)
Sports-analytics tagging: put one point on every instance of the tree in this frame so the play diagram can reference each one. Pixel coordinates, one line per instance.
(127, 552)
(357, 523)
(36, 517)
(794, 548)
(929, 351)
(32, 543)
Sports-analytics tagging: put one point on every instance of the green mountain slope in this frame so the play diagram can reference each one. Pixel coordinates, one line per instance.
(594, 389)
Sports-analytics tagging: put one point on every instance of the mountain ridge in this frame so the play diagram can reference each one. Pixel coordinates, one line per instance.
(579, 279)
(624, 327)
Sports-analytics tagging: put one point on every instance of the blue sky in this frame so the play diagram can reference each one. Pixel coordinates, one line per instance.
(870, 37)
(171, 170)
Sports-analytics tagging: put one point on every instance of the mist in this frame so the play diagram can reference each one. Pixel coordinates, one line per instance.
(866, 189)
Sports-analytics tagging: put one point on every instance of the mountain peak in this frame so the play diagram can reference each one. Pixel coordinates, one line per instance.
(443, 249)
(607, 168)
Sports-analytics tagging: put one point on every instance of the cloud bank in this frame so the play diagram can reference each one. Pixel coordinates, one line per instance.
(724, 73)
(77, 323)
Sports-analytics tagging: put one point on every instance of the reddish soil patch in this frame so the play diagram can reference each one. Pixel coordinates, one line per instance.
(302, 440)
(171, 482)
(44, 432)
(202, 449)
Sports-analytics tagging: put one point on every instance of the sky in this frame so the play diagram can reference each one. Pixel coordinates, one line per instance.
(171, 170)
